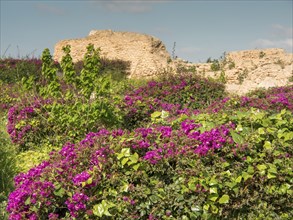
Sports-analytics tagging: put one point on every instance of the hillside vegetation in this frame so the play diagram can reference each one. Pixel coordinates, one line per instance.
(84, 142)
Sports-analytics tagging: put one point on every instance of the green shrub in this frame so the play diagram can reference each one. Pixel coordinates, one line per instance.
(215, 66)
(218, 166)
(242, 76)
(7, 160)
(65, 109)
(13, 70)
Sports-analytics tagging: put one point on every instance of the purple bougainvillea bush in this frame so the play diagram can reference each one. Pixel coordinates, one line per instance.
(274, 100)
(194, 167)
(178, 94)
(108, 166)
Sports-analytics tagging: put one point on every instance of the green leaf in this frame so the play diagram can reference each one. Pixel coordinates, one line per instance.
(267, 145)
(261, 167)
(134, 158)
(238, 139)
(273, 169)
(98, 210)
(213, 190)
(124, 161)
(28, 201)
(154, 198)
(214, 208)
(231, 185)
(261, 131)
(136, 166)
(89, 181)
(271, 176)
(213, 182)
(246, 176)
(125, 152)
(225, 164)
(224, 199)
(60, 192)
(103, 208)
(195, 209)
(213, 197)
(206, 207)
(156, 115)
(238, 180)
(165, 114)
(288, 136)
(248, 159)
(119, 156)
(125, 187)
(191, 186)
(250, 169)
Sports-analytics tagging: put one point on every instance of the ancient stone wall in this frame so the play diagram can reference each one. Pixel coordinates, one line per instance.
(147, 55)
(249, 69)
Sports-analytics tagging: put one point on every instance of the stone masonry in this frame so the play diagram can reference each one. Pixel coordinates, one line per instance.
(146, 54)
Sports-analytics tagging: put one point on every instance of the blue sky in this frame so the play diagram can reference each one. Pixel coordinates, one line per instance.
(201, 29)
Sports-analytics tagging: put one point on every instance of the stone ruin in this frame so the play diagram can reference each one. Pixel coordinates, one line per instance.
(146, 55)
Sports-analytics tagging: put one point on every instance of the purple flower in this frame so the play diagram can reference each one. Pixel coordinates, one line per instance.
(153, 156)
(76, 203)
(53, 216)
(81, 177)
(166, 131)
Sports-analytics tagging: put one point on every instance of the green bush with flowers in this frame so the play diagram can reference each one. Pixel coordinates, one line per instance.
(173, 148)
(224, 166)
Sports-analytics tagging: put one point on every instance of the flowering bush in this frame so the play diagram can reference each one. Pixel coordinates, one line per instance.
(273, 99)
(176, 94)
(13, 70)
(189, 151)
(191, 168)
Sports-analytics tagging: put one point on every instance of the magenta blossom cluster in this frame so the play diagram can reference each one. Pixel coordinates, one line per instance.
(76, 204)
(30, 190)
(161, 142)
(20, 120)
(275, 99)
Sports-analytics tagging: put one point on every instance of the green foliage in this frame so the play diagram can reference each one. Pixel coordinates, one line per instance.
(8, 168)
(13, 70)
(215, 66)
(26, 160)
(247, 177)
(222, 77)
(67, 66)
(7, 160)
(90, 71)
(231, 65)
(242, 76)
(3, 204)
(262, 54)
(49, 72)
(85, 103)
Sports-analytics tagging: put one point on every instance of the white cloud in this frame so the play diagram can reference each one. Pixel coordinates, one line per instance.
(281, 31)
(280, 37)
(43, 7)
